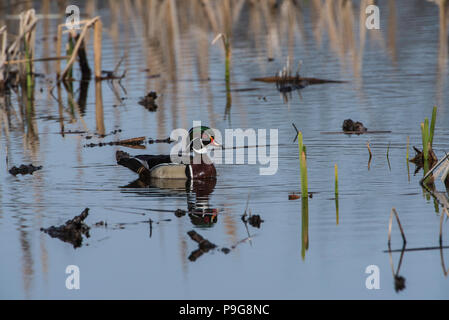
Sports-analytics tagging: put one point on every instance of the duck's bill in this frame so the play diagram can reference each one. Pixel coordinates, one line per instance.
(215, 143)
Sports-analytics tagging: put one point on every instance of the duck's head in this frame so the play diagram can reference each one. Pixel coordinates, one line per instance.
(200, 138)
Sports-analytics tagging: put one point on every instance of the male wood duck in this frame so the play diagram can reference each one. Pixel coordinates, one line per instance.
(195, 166)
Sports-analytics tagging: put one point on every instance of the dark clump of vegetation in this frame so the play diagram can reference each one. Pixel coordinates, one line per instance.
(72, 231)
(426, 158)
(166, 140)
(418, 159)
(24, 169)
(349, 126)
(399, 283)
(204, 245)
(149, 101)
(180, 213)
(253, 220)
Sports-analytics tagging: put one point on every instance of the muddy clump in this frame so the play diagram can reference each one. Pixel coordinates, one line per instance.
(204, 245)
(149, 101)
(399, 283)
(72, 231)
(180, 213)
(350, 126)
(24, 169)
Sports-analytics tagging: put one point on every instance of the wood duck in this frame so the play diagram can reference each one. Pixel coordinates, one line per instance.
(195, 166)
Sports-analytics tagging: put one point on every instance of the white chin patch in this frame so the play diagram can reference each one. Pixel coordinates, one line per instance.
(201, 151)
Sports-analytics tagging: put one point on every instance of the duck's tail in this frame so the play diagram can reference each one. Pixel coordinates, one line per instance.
(132, 163)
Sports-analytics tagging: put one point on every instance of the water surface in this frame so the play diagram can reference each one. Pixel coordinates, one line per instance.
(394, 77)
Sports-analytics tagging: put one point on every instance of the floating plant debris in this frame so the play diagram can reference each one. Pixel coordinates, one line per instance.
(287, 82)
(293, 196)
(103, 135)
(283, 79)
(134, 142)
(72, 231)
(351, 127)
(100, 224)
(149, 101)
(24, 169)
(73, 132)
(204, 245)
(180, 213)
(254, 220)
(166, 140)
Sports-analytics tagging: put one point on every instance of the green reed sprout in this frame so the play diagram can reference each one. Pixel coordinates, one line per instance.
(427, 134)
(336, 191)
(303, 166)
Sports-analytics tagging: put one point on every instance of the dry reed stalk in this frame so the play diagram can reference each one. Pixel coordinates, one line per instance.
(390, 224)
(98, 33)
(14, 48)
(336, 193)
(132, 140)
(58, 50)
(369, 150)
(36, 60)
(3, 62)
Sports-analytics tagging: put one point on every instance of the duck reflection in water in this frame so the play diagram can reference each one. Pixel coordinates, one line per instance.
(197, 192)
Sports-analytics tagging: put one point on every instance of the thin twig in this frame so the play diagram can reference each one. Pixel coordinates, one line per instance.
(370, 154)
(297, 131)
